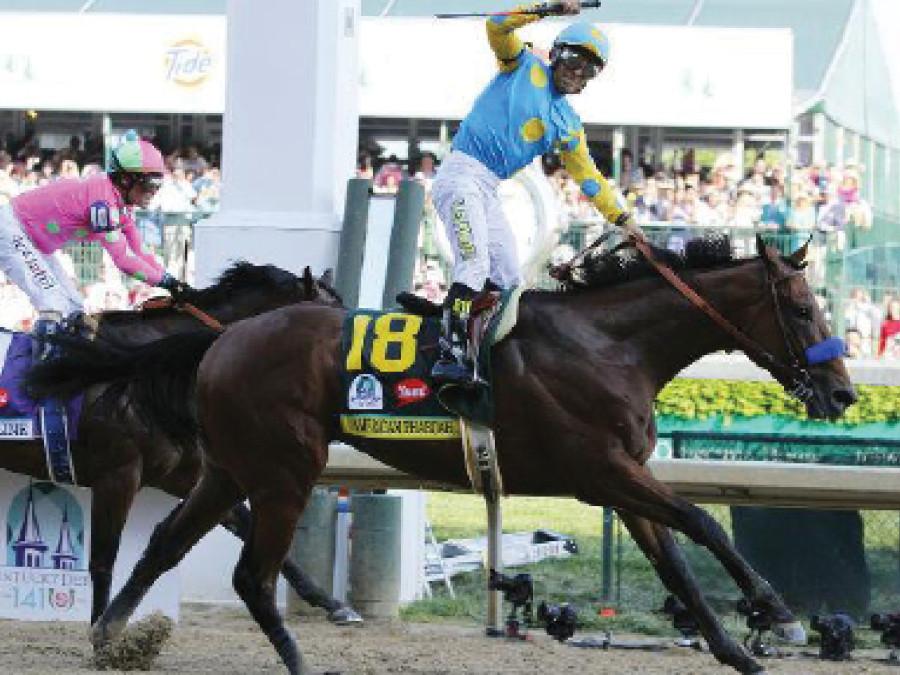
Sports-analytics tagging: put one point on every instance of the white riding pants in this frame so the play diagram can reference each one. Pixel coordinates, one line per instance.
(39, 276)
(465, 197)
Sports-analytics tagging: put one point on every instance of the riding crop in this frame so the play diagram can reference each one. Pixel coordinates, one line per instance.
(548, 9)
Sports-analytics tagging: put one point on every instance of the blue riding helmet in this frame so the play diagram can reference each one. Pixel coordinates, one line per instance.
(585, 36)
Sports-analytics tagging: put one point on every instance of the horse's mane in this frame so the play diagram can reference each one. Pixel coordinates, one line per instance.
(624, 263)
(241, 277)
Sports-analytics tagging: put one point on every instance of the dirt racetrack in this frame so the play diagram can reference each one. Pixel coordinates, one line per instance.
(225, 641)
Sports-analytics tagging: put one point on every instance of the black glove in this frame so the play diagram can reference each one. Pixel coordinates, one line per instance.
(177, 288)
(568, 8)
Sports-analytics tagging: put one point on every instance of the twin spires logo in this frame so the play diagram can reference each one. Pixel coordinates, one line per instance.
(188, 62)
(411, 390)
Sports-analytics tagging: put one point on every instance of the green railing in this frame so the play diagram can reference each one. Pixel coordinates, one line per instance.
(743, 240)
(823, 246)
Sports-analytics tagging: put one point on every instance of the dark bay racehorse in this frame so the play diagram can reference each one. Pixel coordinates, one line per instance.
(574, 388)
(117, 454)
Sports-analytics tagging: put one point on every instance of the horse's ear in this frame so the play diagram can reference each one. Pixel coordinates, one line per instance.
(327, 278)
(764, 250)
(309, 283)
(760, 246)
(797, 259)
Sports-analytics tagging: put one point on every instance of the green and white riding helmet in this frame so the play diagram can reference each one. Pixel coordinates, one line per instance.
(136, 156)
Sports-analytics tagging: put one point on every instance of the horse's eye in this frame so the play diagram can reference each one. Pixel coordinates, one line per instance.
(804, 312)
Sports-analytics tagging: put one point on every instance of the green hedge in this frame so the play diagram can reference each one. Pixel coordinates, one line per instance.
(700, 399)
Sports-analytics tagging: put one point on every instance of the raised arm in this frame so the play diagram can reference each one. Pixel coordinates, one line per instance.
(506, 44)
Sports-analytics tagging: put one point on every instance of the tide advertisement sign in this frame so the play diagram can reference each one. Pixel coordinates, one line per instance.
(189, 62)
(44, 564)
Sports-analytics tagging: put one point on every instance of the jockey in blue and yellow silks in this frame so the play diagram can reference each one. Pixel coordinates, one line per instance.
(521, 114)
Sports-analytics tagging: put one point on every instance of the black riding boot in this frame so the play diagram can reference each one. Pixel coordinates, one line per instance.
(455, 364)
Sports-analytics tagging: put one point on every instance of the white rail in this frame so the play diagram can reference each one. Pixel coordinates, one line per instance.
(704, 481)
(707, 481)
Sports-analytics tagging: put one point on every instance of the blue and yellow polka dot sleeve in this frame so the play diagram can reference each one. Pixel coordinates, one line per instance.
(506, 44)
(581, 167)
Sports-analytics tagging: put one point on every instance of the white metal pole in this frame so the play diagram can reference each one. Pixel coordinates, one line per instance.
(341, 546)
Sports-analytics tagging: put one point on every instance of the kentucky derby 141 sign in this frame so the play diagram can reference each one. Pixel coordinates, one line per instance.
(44, 570)
(44, 563)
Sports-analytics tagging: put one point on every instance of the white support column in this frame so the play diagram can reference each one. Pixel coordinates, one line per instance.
(289, 135)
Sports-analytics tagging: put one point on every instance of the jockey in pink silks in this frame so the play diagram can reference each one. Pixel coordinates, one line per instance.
(39, 222)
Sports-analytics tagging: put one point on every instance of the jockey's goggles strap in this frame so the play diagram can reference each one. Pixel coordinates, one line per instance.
(114, 164)
(150, 182)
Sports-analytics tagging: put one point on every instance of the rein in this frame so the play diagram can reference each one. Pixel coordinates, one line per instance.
(794, 375)
(206, 319)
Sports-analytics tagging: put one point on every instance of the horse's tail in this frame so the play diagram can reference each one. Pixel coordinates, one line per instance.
(155, 380)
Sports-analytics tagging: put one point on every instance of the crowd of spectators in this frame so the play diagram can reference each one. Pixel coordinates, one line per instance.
(724, 196)
(872, 328)
(820, 198)
(816, 197)
(191, 184)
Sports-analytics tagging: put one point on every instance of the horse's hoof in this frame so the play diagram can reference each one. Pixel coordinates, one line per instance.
(99, 637)
(753, 668)
(344, 616)
(791, 632)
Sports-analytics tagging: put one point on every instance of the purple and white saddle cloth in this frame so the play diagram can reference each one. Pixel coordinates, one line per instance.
(19, 413)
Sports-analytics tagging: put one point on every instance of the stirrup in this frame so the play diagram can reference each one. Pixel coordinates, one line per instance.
(451, 371)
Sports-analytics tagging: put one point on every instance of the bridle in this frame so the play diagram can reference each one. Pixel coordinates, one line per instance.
(792, 374)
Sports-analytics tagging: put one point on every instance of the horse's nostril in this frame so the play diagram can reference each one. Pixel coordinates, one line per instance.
(845, 397)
